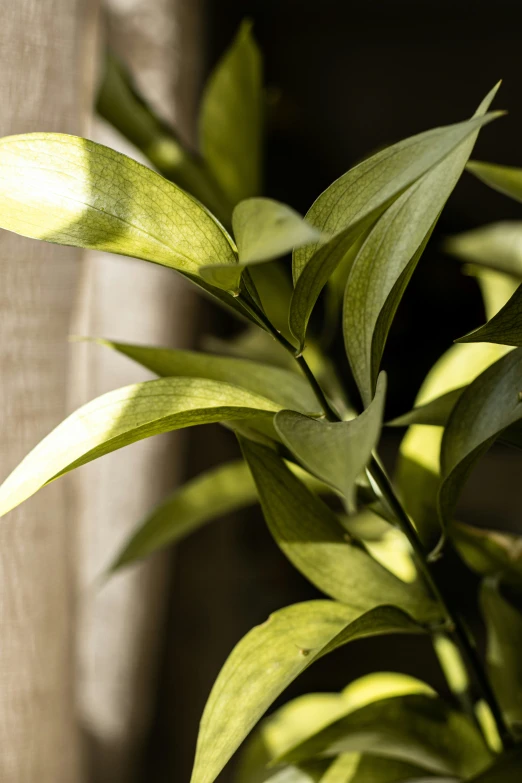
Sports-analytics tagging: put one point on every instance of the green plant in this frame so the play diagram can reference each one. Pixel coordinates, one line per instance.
(375, 547)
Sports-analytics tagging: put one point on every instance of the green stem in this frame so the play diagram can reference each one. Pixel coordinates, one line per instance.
(456, 628)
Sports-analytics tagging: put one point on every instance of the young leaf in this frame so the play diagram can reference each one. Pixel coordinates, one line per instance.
(498, 246)
(504, 328)
(504, 642)
(231, 118)
(489, 552)
(264, 230)
(336, 452)
(387, 260)
(277, 384)
(352, 203)
(125, 416)
(417, 729)
(268, 659)
(311, 537)
(72, 191)
(487, 407)
(505, 179)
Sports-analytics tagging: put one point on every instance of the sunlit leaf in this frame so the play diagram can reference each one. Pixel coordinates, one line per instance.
(488, 405)
(311, 537)
(504, 643)
(336, 452)
(355, 768)
(231, 118)
(268, 659)
(285, 387)
(505, 179)
(125, 416)
(72, 191)
(498, 246)
(504, 328)
(354, 201)
(418, 729)
(489, 552)
(435, 412)
(387, 260)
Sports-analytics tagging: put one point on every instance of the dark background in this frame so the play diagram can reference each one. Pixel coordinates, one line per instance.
(349, 78)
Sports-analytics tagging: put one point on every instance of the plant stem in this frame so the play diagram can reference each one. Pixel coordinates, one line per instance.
(456, 627)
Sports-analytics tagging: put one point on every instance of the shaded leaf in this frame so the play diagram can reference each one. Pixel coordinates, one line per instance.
(489, 552)
(355, 768)
(435, 412)
(125, 416)
(274, 286)
(387, 260)
(504, 328)
(231, 118)
(417, 729)
(504, 643)
(268, 659)
(505, 179)
(354, 201)
(336, 452)
(309, 534)
(498, 246)
(277, 384)
(506, 769)
(488, 405)
(72, 191)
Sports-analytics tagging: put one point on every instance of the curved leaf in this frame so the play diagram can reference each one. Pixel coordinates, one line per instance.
(489, 552)
(498, 246)
(311, 537)
(354, 768)
(336, 452)
(352, 203)
(417, 729)
(505, 770)
(268, 659)
(72, 191)
(283, 386)
(231, 118)
(434, 413)
(125, 416)
(504, 642)
(504, 328)
(505, 179)
(488, 406)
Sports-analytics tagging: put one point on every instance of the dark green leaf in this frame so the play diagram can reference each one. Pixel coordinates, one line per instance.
(417, 729)
(504, 328)
(311, 537)
(125, 416)
(505, 179)
(503, 653)
(336, 452)
(506, 769)
(71, 191)
(277, 384)
(268, 659)
(489, 552)
(487, 407)
(231, 118)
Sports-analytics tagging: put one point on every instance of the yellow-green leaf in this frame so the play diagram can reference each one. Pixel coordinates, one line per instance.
(72, 191)
(125, 416)
(505, 179)
(268, 659)
(231, 118)
(498, 246)
(355, 768)
(310, 535)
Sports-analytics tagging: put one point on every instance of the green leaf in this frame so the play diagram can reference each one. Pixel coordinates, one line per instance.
(71, 191)
(231, 118)
(336, 452)
(504, 643)
(387, 260)
(277, 384)
(505, 328)
(274, 287)
(418, 729)
(487, 407)
(310, 535)
(498, 246)
(268, 659)
(505, 179)
(354, 201)
(264, 229)
(489, 552)
(505, 770)
(125, 416)
(434, 413)
(355, 768)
